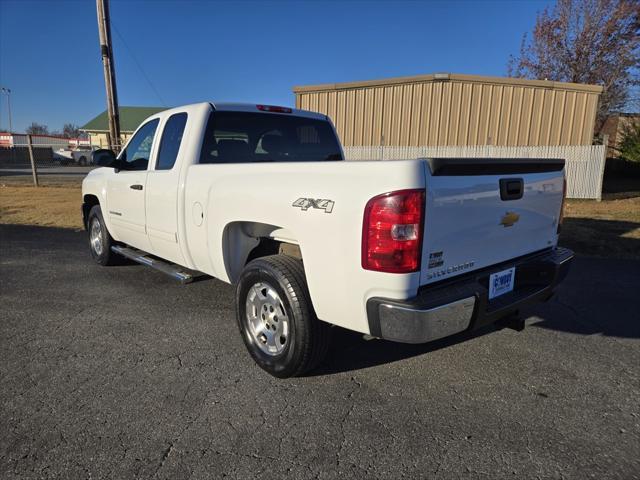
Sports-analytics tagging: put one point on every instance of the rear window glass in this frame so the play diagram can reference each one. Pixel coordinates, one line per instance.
(241, 137)
(171, 140)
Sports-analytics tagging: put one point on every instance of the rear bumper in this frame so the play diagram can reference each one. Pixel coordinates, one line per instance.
(462, 303)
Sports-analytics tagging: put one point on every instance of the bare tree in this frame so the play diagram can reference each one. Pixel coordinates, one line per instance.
(37, 129)
(585, 41)
(70, 130)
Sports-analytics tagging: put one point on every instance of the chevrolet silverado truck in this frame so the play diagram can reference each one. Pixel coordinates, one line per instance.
(260, 197)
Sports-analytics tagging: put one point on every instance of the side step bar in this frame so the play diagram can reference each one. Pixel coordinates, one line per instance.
(182, 274)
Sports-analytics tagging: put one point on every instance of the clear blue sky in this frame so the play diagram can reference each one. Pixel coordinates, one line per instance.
(238, 51)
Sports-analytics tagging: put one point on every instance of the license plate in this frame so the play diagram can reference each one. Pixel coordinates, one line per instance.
(501, 282)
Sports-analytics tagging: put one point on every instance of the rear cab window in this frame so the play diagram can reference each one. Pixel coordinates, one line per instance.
(245, 137)
(171, 141)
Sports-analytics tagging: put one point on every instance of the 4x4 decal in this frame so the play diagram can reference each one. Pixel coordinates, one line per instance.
(319, 203)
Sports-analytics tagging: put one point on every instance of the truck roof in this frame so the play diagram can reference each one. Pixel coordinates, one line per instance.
(239, 107)
(252, 107)
(242, 107)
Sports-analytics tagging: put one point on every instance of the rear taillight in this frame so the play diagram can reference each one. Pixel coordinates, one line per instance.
(564, 201)
(392, 232)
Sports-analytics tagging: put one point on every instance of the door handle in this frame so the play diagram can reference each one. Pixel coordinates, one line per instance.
(137, 186)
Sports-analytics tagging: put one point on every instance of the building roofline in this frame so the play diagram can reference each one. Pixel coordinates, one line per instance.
(103, 131)
(128, 116)
(444, 77)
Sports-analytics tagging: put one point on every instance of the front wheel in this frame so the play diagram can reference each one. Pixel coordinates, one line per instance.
(276, 317)
(100, 240)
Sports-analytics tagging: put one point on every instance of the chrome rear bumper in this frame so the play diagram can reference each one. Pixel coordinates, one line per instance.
(423, 325)
(462, 303)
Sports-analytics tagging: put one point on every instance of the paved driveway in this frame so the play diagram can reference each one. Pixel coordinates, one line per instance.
(122, 373)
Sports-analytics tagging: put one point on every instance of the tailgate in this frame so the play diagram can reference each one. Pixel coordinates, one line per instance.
(480, 212)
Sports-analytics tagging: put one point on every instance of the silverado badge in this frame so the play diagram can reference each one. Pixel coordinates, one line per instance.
(509, 219)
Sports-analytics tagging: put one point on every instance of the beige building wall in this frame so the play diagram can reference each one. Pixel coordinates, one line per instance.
(100, 140)
(452, 109)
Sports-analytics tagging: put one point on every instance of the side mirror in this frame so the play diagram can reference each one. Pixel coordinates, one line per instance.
(105, 158)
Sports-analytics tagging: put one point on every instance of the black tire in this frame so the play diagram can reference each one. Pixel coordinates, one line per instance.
(102, 255)
(82, 161)
(308, 337)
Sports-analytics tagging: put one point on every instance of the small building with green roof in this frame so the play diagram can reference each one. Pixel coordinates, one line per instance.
(130, 119)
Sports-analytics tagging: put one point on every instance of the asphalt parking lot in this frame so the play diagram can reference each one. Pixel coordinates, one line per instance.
(122, 373)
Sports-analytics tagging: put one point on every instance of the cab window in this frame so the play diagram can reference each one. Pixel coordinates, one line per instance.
(138, 151)
(171, 140)
(241, 137)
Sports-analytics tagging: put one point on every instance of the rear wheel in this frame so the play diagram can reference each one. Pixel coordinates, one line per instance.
(100, 241)
(83, 161)
(276, 318)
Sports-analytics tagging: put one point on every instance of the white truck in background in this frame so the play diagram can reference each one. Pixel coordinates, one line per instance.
(258, 196)
(82, 156)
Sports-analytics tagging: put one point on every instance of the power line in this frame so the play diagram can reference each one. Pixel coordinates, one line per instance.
(135, 60)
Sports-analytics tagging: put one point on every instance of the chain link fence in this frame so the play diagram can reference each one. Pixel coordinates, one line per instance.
(22, 154)
(17, 150)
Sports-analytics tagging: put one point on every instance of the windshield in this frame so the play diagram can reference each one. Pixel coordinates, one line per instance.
(240, 137)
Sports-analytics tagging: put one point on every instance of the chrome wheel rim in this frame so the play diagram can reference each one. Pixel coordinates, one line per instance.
(267, 320)
(95, 237)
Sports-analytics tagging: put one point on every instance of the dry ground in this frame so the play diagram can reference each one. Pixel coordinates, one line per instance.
(51, 205)
(610, 228)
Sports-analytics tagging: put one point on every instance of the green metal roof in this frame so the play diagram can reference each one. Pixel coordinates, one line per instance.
(130, 119)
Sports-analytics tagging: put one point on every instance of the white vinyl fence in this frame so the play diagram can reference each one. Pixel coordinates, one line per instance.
(584, 163)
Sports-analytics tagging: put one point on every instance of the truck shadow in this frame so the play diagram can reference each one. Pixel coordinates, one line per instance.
(599, 297)
(351, 351)
(605, 238)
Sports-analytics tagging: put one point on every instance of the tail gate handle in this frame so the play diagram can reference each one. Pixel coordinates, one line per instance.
(511, 188)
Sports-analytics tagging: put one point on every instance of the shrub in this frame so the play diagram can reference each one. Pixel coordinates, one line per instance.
(629, 147)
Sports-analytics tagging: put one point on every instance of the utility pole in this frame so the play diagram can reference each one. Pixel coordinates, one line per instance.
(7, 91)
(34, 169)
(104, 28)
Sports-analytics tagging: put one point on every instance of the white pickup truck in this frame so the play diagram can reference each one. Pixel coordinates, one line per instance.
(260, 197)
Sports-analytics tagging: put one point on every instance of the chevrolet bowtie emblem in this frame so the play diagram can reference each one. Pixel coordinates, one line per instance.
(509, 219)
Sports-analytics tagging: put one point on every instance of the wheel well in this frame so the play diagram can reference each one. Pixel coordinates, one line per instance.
(269, 246)
(88, 202)
(246, 241)
(266, 247)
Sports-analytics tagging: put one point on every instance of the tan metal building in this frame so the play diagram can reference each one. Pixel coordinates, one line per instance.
(453, 109)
